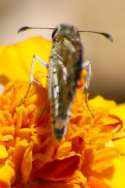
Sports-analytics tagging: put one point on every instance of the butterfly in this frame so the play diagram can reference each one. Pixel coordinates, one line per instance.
(64, 69)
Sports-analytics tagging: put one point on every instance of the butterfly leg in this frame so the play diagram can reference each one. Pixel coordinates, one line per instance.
(31, 79)
(36, 58)
(87, 66)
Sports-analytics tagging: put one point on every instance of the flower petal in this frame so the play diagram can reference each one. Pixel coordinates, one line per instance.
(96, 183)
(59, 169)
(15, 59)
(7, 174)
(118, 179)
(26, 166)
(3, 152)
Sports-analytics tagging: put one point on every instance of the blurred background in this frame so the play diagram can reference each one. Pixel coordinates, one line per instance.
(108, 59)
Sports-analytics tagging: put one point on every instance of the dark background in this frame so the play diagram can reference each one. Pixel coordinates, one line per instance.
(108, 59)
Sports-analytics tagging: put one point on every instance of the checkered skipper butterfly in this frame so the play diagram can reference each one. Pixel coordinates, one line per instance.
(65, 65)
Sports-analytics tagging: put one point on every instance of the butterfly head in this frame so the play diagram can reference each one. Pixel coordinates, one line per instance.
(60, 128)
(67, 31)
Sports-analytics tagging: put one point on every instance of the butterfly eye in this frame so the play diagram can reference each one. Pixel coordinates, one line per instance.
(54, 32)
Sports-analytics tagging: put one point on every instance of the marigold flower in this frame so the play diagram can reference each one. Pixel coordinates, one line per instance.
(90, 156)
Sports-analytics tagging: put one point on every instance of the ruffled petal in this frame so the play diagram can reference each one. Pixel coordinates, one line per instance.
(94, 182)
(59, 169)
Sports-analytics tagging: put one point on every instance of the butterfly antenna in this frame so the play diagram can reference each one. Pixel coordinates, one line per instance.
(25, 28)
(106, 35)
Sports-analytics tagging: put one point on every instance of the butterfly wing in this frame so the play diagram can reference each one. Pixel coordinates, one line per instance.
(64, 72)
(57, 86)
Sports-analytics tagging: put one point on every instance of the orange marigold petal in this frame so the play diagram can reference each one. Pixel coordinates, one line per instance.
(26, 165)
(78, 144)
(59, 169)
(7, 174)
(76, 181)
(53, 185)
(114, 123)
(64, 149)
(3, 152)
(18, 153)
(4, 185)
(96, 183)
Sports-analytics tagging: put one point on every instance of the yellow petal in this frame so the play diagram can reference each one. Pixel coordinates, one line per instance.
(118, 179)
(15, 60)
(120, 112)
(120, 145)
(3, 152)
(7, 173)
(100, 103)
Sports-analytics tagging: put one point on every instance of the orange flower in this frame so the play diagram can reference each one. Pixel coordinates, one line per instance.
(90, 154)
